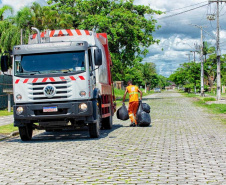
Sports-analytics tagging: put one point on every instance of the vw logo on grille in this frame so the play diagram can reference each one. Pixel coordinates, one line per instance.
(49, 91)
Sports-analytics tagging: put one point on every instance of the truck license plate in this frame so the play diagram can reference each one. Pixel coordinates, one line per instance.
(50, 109)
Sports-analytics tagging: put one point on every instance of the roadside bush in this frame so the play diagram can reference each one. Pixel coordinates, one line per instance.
(209, 99)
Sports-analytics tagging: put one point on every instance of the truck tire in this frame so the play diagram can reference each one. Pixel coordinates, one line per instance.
(94, 128)
(49, 130)
(26, 132)
(107, 122)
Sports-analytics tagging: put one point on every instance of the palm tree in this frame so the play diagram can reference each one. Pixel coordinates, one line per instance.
(38, 15)
(24, 18)
(3, 10)
(6, 26)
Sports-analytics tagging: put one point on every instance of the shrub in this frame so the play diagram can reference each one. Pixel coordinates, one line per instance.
(209, 99)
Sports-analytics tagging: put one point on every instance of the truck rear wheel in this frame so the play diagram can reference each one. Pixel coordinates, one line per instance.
(107, 122)
(26, 132)
(94, 128)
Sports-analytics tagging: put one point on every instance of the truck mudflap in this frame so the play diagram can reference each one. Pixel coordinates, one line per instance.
(51, 111)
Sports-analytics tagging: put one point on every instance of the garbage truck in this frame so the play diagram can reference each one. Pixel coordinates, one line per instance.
(62, 80)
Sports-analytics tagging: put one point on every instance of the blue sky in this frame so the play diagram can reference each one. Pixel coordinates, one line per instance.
(177, 36)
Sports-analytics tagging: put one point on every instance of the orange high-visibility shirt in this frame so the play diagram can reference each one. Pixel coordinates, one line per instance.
(133, 93)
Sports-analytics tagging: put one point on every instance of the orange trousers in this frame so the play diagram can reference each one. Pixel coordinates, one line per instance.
(132, 110)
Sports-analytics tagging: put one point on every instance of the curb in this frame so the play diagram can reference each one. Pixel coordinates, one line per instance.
(15, 133)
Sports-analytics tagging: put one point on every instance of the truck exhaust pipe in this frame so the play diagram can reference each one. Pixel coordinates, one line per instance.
(38, 34)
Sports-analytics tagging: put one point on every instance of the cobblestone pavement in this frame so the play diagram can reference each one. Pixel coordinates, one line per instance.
(5, 120)
(184, 145)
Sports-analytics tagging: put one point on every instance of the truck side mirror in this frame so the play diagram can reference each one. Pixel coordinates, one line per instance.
(4, 63)
(98, 57)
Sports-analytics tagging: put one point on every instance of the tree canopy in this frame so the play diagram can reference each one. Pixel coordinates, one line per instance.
(129, 28)
(129, 31)
(188, 74)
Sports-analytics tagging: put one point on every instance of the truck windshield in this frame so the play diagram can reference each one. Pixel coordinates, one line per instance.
(70, 62)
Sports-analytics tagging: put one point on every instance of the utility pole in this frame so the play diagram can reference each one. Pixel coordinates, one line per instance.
(194, 54)
(202, 68)
(21, 36)
(218, 56)
(201, 58)
(188, 57)
(218, 49)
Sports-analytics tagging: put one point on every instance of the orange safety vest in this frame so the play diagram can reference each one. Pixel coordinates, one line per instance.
(133, 93)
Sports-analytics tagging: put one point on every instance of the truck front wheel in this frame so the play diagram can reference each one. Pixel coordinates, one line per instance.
(26, 132)
(94, 128)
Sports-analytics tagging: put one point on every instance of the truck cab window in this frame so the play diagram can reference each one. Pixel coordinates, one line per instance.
(67, 62)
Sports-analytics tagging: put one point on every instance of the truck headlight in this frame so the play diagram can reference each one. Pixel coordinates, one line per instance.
(19, 97)
(82, 93)
(19, 110)
(83, 107)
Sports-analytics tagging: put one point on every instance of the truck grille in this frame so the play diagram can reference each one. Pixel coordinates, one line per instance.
(36, 90)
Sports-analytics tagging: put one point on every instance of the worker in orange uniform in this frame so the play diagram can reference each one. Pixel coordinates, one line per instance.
(133, 101)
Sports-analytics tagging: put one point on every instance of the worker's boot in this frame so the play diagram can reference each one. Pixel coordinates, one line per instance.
(132, 124)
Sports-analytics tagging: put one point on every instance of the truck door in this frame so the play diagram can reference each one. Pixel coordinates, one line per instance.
(91, 72)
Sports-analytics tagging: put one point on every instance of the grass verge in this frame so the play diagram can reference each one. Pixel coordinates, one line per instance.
(5, 112)
(219, 109)
(7, 129)
(213, 108)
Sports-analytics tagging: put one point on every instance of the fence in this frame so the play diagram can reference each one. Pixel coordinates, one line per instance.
(6, 90)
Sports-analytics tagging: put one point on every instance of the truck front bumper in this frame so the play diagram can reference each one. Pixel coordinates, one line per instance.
(68, 110)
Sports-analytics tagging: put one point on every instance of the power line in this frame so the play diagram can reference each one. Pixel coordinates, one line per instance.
(183, 12)
(222, 14)
(222, 8)
(184, 7)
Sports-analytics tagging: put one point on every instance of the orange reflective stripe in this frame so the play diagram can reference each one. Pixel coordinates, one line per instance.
(133, 93)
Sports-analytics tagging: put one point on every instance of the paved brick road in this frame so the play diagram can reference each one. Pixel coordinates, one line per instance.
(184, 146)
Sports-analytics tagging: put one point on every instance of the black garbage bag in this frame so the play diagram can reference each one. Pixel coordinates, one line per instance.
(143, 118)
(146, 107)
(122, 113)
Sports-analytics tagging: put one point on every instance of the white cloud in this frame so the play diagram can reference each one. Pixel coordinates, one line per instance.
(178, 36)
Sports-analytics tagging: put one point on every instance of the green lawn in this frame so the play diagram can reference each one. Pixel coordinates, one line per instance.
(5, 112)
(7, 129)
(213, 108)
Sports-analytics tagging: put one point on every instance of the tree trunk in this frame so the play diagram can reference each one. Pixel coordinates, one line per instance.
(210, 82)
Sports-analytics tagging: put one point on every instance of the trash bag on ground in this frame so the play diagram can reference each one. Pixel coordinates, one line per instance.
(143, 118)
(122, 113)
(146, 107)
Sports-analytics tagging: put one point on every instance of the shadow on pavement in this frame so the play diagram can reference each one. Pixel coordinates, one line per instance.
(66, 135)
(151, 98)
